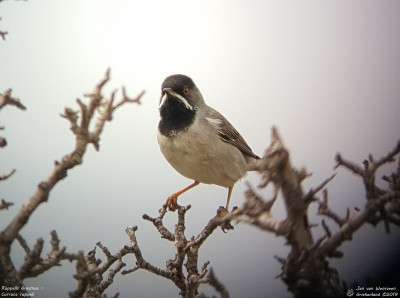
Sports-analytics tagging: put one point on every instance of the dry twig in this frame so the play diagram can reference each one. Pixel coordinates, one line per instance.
(98, 111)
(306, 270)
(188, 282)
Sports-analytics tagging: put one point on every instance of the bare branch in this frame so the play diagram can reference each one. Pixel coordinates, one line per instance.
(379, 202)
(326, 228)
(276, 167)
(6, 176)
(126, 99)
(140, 262)
(345, 233)
(3, 34)
(256, 211)
(82, 283)
(5, 205)
(24, 245)
(205, 233)
(390, 157)
(185, 250)
(348, 164)
(6, 99)
(34, 264)
(158, 223)
(213, 281)
(324, 209)
(310, 195)
(69, 161)
(308, 255)
(90, 271)
(89, 113)
(32, 259)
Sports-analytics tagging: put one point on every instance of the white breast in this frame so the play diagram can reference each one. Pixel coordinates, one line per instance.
(203, 157)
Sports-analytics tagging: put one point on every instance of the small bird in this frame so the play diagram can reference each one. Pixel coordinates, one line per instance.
(198, 141)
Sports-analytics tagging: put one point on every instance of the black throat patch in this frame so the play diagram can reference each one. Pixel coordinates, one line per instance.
(175, 117)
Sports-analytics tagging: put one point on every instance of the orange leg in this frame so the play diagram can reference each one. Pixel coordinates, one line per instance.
(172, 200)
(229, 197)
(224, 211)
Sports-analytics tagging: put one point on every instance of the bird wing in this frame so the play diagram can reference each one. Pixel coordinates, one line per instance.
(227, 133)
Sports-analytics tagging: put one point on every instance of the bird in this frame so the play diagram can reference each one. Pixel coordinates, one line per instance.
(198, 141)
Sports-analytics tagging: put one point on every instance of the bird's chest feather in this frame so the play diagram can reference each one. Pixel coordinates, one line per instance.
(189, 153)
(185, 149)
(202, 157)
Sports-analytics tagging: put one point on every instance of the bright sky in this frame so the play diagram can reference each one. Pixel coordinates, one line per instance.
(325, 73)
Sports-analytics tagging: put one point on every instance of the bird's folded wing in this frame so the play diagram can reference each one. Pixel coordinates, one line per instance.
(229, 134)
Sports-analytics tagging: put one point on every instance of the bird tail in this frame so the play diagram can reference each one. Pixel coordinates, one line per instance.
(253, 164)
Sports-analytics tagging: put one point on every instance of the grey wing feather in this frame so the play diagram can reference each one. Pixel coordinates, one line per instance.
(229, 134)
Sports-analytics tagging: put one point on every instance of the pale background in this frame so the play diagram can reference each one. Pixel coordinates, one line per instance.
(325, 73)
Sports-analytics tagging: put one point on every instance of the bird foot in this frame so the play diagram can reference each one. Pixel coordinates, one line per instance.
(222, 211)
(226, 224)
(172, 202)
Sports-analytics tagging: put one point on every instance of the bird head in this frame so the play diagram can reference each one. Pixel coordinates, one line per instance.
(182, 89)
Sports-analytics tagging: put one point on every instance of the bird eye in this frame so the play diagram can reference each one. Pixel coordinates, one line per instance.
(186, 91)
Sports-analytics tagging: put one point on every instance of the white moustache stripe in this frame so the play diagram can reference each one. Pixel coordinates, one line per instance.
(178, 96)
(182, 99)
(162, 101)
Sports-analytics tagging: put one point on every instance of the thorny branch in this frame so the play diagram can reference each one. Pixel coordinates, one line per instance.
(187, 280)
(382, 205)
(98, 111)
(5, 205)
(213, 281)
(306, 270)
(3, 34)
(7, 99)
(90, 270)
(6, 176)
(34, 264)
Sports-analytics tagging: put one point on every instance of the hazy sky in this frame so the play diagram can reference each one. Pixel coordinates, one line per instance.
(326, 73)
